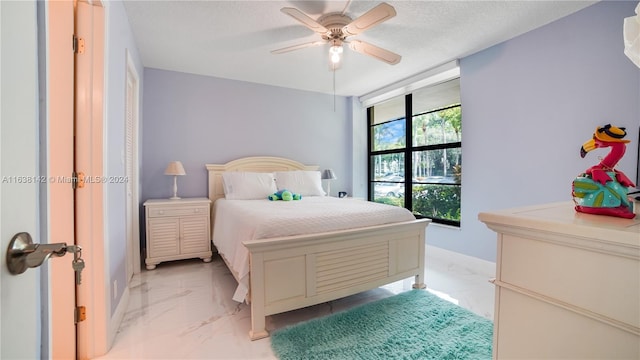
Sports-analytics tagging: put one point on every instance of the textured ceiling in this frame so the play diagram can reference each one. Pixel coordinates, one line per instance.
(234, 39)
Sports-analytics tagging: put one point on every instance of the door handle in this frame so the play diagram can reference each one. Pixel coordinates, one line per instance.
(22, 253)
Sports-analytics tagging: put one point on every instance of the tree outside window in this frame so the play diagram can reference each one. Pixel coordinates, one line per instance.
(430, 153)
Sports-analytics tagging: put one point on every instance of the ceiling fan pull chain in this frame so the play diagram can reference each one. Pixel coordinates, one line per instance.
(334, 88)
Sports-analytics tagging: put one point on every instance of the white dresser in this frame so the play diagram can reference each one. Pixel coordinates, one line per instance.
(177, 229)
(567, 284)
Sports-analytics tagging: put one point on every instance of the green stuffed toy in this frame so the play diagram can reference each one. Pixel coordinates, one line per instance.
(285, 195)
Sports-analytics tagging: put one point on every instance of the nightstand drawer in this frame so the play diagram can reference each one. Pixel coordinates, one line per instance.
(167, 211)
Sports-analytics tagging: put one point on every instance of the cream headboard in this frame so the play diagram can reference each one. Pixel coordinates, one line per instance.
(253, 164)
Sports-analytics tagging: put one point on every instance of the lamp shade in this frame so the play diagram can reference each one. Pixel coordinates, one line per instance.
(175, 168)
(328, 174)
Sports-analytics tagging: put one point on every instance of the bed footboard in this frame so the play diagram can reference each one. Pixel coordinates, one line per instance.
(294, 272)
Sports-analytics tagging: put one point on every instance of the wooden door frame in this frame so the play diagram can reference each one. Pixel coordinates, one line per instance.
(89, 159)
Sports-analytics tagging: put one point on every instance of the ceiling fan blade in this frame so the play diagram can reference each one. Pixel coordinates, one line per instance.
(299, 46)
(371, 18)
(374, 51)
(305, 20)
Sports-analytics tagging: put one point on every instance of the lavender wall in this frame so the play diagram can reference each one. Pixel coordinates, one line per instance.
(199, 120)
(528, 105)
(119, 41)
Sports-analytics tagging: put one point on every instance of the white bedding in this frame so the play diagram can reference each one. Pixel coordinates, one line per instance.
(241, 220)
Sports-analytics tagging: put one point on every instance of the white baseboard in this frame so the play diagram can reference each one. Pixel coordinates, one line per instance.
(479, 265)
(116, 319)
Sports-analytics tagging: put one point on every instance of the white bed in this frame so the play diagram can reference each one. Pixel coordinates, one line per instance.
(312, 260)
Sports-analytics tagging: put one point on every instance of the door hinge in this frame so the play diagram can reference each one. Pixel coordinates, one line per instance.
(77, 180)
(80, 314)
(78, 45)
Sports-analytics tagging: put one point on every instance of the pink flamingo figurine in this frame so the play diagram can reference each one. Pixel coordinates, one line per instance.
(602, 189)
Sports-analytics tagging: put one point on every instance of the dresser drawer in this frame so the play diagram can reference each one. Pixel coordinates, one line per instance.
(592, 280)
(177, 211)
(532, 329)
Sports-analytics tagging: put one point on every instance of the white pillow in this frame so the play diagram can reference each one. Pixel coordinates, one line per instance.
(241, 185)
(305, 183)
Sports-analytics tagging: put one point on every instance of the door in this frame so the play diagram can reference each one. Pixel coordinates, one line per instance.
(59, 206)
(19, 295)
(36, 164)
(131, 168)
(37, 155)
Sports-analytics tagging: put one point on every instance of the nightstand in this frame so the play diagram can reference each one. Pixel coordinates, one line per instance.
(352, 197)
(177, 229)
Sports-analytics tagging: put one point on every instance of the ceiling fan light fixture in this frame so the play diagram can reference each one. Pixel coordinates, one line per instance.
(335, 51)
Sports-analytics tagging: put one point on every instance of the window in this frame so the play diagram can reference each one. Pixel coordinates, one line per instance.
(415, 152)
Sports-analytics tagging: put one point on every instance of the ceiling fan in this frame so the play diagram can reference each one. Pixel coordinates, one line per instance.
(335, 27)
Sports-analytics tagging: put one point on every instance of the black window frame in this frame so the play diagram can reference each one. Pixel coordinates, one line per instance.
(408, 152)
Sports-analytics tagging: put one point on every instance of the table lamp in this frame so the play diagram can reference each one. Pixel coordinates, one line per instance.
(328, 175)
(175, 168)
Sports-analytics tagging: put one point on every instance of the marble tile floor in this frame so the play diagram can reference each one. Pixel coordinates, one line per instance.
(183, 309)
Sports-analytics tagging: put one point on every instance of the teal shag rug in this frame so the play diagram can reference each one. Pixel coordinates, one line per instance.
(411, 325)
